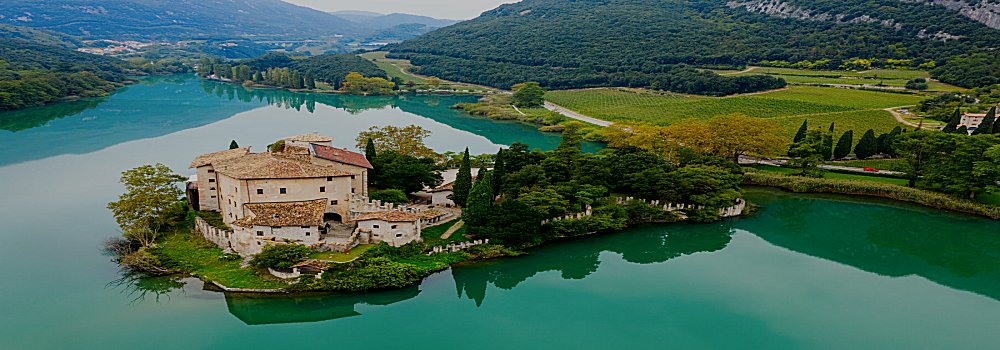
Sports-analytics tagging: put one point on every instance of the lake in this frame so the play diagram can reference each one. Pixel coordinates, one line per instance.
(823, 272)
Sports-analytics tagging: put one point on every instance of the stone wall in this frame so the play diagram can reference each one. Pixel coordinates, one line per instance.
(733, 211)
(454, 247)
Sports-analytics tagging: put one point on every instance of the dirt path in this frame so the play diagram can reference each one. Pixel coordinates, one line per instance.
(899, 116)
(575, 115)
(451, 230)
(518, 110)
(747, 70)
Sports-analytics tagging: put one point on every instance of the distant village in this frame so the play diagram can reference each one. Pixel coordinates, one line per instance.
(309, 192)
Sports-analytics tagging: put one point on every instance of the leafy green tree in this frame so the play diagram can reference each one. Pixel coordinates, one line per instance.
(404, 172)
(843, 148)
(280, 256)
(956, 118)
(389, 196)
(149, 204)
(408, 140)
(479, 205)
(528, 94)
(813, 144)
(988, 124)
(463, 181)
(867, 146)
(233, 145)
(310, 80)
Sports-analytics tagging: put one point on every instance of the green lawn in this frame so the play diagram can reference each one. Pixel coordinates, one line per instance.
(432, 235)
(881, 164)
(851, 109)
(837, 176)
(196, 255)
(393, 67)
(341, 257)
(888, 77)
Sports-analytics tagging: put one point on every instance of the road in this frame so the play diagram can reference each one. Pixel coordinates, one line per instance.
(781, 163)
(574, 115)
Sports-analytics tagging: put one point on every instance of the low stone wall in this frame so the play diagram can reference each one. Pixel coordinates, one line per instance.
(284, 275)
(215, 235)
(454, 247)
(729, 212)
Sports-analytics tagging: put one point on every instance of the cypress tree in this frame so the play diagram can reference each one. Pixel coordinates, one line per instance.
(882, 144)
(988, 124)
(844, 145)
(952, 126)
(996, 124)
(828, 144)
(832, 127)
(866, 146)
(463, 181)
(233, 145)
(499, 171)
(962, 130)
(370, 152)
(480, 202)
(801, 134)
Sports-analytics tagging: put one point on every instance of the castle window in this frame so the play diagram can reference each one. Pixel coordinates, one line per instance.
(329, 178)
(393, 227)
(333, 202)
(260, 191)
(211, 188)
(211, 171)
(398, 235)
(211, 180)
(374, 226)
(283, 190)
(352, 190)
(322, 189)
(352, 177)
(260, 233)
(307, 234)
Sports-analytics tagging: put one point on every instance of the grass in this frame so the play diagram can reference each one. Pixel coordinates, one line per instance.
(851, 109)
(887, 77)
(341, 257)
(196, 255)
(432, 235)
(835, 176)
(989, 199)
(393, 67)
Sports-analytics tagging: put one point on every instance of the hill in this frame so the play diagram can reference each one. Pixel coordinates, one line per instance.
(570, 44)
(176, 19)
(34, 74)
(394, 27)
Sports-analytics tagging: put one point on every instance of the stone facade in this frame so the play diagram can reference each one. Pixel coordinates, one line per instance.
(394, 233)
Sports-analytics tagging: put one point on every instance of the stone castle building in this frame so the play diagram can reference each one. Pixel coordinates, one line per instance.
(309, 193)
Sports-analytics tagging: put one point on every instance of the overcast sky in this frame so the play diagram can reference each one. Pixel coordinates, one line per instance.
(450, 9)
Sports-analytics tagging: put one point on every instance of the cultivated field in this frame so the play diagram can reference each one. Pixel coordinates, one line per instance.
(886, 77)
(851, 109)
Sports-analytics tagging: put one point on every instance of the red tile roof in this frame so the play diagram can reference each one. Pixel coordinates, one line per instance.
(341, 155)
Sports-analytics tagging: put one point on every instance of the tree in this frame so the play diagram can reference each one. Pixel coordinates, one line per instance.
(280, 256)
(357, 84)
(811, 145)
(408, 140)
(962, 130)
(463, 181)
(843, 148)
(148, 204)
(233, 145)
(801, 134)
(370, 152)
(404, 172)
(389, 196)
(988, 124)
(499, 171)
(480, 202)
(867, 146)
(528, 94)
(956, 119)
(310, 80)
(737, 135)
(433, 82)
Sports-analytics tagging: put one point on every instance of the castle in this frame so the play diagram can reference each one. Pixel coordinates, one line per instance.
(306, 192)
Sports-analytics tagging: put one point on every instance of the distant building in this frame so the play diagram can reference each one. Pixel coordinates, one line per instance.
(972, 121)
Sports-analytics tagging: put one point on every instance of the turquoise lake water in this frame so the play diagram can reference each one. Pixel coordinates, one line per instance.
(817, 272)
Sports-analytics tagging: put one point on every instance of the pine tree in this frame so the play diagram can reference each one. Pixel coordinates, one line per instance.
(988, 124)
(233, 145)
(844, 145)
(499, 171)
(463, 181)
(952, 126)
(370, 152)
(801, 134)
(479, 206)
(866, 146)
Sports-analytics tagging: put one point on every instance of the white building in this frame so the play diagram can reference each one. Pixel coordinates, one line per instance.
(393, 227)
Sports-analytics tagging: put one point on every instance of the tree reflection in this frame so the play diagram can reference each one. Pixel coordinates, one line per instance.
(274, 309)
(578, 259)
(139, 286)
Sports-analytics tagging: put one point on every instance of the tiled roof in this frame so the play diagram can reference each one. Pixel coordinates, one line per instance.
(310, 137)
(389, 216)
(448, 186)
(219, 156)
(309, 213)
(274, 166)
(341, 155)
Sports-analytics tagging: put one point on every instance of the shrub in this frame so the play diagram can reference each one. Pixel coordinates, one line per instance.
(372, 273)
(280, 256)
(389, 196)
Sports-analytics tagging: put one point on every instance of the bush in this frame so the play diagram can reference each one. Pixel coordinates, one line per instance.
(372, 273)
(389, 196)
(280, 256)
(491, 251)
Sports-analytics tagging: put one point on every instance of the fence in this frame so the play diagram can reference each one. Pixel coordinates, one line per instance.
(733, 211)
(454, 247)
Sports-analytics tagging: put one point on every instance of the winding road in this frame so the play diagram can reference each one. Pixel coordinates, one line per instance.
(574, 115)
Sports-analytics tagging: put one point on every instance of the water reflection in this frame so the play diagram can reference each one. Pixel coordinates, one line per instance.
(274, 309)
(957, 251)
(138, 286)
(579, 258)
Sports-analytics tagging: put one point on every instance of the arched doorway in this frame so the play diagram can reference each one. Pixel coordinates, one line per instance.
(333, 217)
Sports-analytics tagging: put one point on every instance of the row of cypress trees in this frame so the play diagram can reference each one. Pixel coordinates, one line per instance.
(868, 145)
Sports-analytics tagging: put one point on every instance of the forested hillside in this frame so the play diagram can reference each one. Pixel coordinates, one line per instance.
(34, 74)
(174, 19)
(584, 43)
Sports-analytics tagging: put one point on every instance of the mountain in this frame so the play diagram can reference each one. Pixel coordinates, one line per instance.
(620, 42)
(39, 36)
(357, 16)
(374, 20)
(175, 19)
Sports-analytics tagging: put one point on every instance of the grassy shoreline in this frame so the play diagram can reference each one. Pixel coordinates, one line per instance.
(870, 189)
